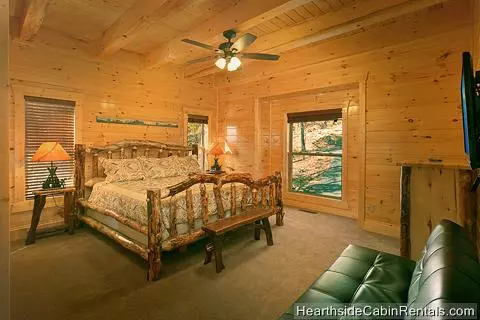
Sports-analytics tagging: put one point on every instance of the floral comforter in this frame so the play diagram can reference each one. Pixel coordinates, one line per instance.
(129, 199)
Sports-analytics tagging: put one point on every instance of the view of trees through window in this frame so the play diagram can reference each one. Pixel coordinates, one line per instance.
(316, 157)
(197, 133)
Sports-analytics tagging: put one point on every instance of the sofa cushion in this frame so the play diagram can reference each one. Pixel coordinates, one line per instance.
(448, 270)
(360, 275)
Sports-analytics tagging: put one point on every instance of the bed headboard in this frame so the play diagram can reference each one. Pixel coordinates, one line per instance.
(87, 157)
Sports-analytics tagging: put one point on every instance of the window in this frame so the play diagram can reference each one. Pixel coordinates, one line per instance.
(197, 133)
(48, 120)
(315, 153)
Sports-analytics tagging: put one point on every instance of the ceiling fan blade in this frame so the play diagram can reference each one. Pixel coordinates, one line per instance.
(244, 42)
(260, 56)
(199, 44)
(209, 58)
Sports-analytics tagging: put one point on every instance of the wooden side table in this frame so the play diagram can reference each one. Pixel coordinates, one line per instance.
(40, 197)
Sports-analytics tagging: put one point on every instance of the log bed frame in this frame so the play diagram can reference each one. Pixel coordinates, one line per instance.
(265, 192)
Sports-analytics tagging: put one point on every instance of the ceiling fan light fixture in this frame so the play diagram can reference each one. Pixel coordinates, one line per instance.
(221, 63)
(233, 64)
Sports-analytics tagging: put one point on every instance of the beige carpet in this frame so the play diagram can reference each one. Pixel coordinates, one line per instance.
(86, 276)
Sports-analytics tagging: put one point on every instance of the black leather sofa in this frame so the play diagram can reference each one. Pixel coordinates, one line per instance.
(447, 272)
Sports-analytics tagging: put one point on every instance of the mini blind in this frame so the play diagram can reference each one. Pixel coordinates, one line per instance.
(197, 119)
(321, 115)
(48, 120)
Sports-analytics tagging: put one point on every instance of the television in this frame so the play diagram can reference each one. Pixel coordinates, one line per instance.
(470, 111)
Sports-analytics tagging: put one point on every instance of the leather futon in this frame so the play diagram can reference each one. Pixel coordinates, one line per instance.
(447, 272)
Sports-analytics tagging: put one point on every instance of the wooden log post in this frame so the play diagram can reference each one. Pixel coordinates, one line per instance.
(218, 200)
(405, 245)
(134, 152)
(254, 197)
(154, 234)
(80, 154)
(271, 200)
(243, 204)
(467, 202)
(204, 196)
(95, 165)
(264, 197)
(279, 212)
(190, 212)
(233, 199)
(172, 230)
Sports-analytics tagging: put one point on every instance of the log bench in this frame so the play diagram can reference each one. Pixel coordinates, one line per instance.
(215, 230)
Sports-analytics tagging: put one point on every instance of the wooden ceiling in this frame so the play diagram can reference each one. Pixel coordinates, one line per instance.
(154, 28)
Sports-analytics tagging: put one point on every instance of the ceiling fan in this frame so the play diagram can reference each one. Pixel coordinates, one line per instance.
(228, 53)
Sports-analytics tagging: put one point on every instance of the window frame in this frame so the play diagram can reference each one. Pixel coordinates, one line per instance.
(18, 201)
(192, 112)
(317, 115)
(38, 170)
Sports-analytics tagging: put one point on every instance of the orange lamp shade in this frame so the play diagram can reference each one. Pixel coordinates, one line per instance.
(50, 151)
(217, 149)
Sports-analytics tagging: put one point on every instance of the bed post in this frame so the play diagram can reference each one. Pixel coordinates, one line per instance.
(154, 234)
(80, 170)
(279, 198)
(79, 177)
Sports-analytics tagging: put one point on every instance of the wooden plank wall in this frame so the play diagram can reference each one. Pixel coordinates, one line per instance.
(412, 69)
(60, 67)
(4, 168)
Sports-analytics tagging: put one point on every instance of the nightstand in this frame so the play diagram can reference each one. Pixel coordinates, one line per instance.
(40, 197)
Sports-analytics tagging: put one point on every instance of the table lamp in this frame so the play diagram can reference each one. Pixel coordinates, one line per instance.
(49, 152)
(217, 150)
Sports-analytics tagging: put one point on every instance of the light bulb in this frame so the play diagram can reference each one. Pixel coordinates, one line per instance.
(236, 62)
(231, 66)
(221, 62)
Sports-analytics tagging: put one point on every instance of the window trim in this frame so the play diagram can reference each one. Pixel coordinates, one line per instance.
(210, 125)
(299, 199)
(310, 116)
(18, 201)
(65, 110)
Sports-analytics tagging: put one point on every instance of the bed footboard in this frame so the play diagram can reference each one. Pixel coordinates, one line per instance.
(266, 193)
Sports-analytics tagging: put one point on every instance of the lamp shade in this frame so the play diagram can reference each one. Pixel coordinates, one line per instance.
(50, 151)
(217, 149)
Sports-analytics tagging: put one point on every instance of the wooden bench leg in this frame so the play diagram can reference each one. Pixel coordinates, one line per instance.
(209, 248)
(268, 231)
(256, 230)
(217, 241)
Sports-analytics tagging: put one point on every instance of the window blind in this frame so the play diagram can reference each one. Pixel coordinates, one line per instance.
(321, 115)
(193, 118)
(48, 120)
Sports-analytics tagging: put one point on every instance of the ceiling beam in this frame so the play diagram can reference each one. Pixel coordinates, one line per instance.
(331, 25)
(242, 16)
(32, 18)
(133, 21)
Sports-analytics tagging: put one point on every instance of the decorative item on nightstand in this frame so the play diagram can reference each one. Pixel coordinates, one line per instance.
(217, 150)
(49, 152)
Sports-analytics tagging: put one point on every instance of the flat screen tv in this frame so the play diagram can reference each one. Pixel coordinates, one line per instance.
(470, 111)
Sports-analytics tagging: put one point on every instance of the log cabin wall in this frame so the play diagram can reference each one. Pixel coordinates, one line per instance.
(407, 70)
(57, 66)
